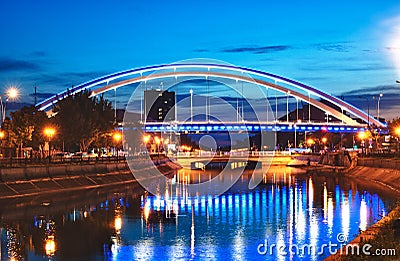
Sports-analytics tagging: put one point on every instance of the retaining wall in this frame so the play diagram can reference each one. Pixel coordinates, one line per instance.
(379, 163)
(52, 171)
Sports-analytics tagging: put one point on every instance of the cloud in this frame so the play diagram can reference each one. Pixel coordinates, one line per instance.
(65, 79)
(340, 47)
(38, 54)
(388, 89)
(9, 64)
(201, 50)
(257, 50)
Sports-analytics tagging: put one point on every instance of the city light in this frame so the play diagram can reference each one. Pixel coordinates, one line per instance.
(118, 224)
(324, 140)
(117, 137)
(157, 140)
(310, 142)
(361, 135)
(397, 131)
(2, 134)
(12, 93)
(50, 246)
(146, 138)
(49, 132)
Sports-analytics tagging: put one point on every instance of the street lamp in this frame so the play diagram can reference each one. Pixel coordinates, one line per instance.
(397, 131)
(117, 138)
(310, 142)
(324, 140)
(49, 132)
(11, 94)
(2, 135)
(379, 100)
(158, 141)
(191, 105)
(361, 135)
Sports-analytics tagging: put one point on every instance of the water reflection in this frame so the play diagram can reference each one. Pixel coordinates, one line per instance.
(286, 209)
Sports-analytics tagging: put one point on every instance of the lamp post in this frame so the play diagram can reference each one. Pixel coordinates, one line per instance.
(310, 143)
(324, 140)
(117, 138)
(49, 132)
(361, 135)
(191, 105)
(379, 101)
(158, 141)
(11, 94)
(2, 135)
(397, 131)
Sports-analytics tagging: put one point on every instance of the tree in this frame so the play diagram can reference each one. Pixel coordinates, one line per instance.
(82, 120)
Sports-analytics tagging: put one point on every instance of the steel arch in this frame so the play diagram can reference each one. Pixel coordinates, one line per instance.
(140, 71)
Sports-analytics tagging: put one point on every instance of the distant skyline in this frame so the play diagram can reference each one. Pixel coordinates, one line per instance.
(347, 48)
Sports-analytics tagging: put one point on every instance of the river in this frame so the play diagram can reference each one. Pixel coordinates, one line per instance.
(286, 212)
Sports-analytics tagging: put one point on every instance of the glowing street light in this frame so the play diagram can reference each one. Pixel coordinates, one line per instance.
(397, 131)
(49, 132)
(50, 246)
(117, 137)
(362, 136)
(146, 139)
(158, 141)
(11, 94)
(324, 140)
(2, 134)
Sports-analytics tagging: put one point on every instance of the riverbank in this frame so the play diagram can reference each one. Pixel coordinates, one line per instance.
(383, 235)
(33, 181)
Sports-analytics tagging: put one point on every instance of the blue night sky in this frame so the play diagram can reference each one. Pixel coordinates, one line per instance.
(343, 47)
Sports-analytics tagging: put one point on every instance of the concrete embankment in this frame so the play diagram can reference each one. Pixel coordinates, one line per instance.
(36, 180)
(383, 174)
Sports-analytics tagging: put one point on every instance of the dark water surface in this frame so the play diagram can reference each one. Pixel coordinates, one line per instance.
(126, 223)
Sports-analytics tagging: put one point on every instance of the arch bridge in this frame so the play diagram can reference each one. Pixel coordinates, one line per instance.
(348, 117)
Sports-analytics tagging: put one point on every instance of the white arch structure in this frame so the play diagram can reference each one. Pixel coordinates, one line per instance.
(102, 84)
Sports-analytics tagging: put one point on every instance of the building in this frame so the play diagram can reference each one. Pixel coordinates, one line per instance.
(159, 105)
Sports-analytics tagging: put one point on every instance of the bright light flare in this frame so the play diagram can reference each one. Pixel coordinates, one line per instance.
(118, 224)
(397, 131)
(117, 137)
(49, 132)
(12, 93)
(146, 138)
(50, 246)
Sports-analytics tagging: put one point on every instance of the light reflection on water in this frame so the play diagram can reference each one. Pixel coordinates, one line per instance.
(284, 209)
